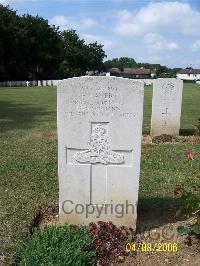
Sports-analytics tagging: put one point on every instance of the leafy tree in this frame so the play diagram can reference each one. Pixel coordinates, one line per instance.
(74, 55)
(39, 46)
(120, 63)
(78, 57)
(29, 46)
(96, 55)
(8, 45)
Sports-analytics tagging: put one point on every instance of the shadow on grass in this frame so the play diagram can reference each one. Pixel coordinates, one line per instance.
(157, 212)
(158, 224)
(19, 116)
(187, 132)
(145, 203)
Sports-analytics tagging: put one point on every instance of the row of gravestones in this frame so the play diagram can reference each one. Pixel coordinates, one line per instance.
(29, 83)
(99, 122)
(50, 83)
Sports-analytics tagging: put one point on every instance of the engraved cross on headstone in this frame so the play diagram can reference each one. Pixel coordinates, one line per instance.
(99, 157)
(165, 121)
(166, 112)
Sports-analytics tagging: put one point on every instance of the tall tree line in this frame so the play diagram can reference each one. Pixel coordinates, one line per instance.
(30, 48)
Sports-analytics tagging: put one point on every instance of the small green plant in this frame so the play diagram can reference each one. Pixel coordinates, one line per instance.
(156, 139)
(190, 206)
(66, 245)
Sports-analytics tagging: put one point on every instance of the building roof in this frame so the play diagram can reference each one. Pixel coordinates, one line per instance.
(189, 71)
(130, 70)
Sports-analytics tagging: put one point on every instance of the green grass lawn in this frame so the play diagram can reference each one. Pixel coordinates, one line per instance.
(28, 159)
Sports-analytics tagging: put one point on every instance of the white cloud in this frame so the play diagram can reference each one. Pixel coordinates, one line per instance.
(161, 16)
(20, 2)
(66, 23)
(5, 2)
(88, 23)
(156, 43)
(195, 46)
(125, 15)
(63, 22)
(90, 38)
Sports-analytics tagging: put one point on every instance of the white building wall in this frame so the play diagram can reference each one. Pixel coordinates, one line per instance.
(188, 76)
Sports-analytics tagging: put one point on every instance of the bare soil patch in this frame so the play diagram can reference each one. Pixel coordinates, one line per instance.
(158, 226)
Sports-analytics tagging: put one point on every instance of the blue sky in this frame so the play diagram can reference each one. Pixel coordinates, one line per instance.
(165, 32)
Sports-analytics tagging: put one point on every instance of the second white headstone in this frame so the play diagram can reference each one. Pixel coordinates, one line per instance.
(166, 106)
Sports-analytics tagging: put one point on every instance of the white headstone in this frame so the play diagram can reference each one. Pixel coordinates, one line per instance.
(27, 83)
(34, 82)
(39, 83)
(44, 83)
(99, 147)
(48, 82)
(166, 106)
(55, 82)
(13, 83)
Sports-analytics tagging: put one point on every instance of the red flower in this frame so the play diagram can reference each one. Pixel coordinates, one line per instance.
(190, 155)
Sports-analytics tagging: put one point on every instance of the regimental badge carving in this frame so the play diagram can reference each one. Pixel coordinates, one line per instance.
(168, 87)
(99, 149)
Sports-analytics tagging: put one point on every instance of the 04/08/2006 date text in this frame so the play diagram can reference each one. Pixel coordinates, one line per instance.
(148, 247)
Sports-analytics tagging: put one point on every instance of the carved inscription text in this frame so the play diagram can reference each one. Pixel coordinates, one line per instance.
(97, 101)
